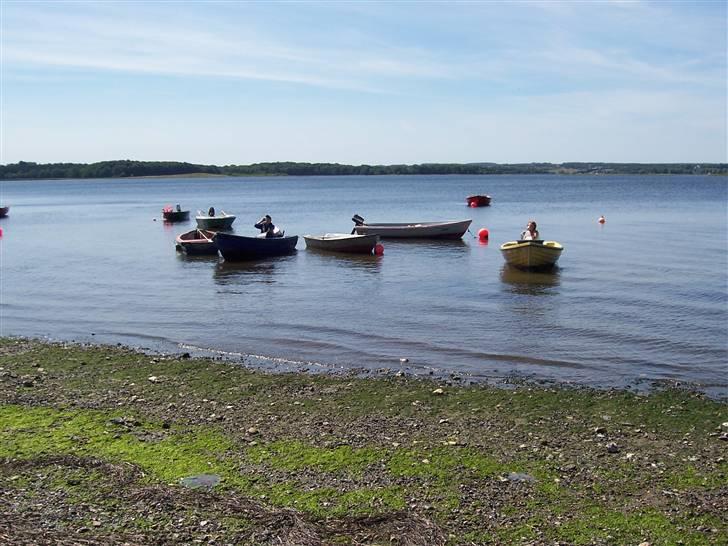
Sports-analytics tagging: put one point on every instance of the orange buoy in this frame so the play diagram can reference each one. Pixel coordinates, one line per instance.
(378, 249)
(483, 234)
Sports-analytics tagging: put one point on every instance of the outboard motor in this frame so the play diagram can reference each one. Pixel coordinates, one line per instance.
(358, 220)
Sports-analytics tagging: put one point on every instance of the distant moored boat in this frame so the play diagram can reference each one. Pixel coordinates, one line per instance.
(4, 211)
(171, 215)
(478, 200)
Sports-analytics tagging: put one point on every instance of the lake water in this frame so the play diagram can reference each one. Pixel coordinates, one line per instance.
(641, 298)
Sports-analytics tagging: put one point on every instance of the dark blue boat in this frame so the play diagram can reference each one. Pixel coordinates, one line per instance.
(239, 247)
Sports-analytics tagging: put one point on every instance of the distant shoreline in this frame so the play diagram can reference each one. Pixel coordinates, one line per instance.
(167, 169)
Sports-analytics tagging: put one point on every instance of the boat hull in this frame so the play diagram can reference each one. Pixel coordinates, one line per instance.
(197, 243)
(422, 230)
(4, 211)
(478, 200)
(342, 242)
(531, 255)
(239, 247)
(223, 223)
(175, 215)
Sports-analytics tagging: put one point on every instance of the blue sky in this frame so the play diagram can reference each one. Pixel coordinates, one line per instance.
(364, 82)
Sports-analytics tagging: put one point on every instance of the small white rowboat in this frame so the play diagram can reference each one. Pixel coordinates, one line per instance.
(342, 242)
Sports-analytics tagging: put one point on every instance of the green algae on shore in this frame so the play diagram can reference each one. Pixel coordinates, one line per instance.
(101, 437)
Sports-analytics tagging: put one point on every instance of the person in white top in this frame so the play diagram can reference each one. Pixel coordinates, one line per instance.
(531, 233)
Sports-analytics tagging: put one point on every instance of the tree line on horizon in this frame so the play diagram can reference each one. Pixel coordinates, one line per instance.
(127, 168)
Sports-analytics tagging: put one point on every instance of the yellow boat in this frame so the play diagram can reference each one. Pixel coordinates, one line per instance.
(531, 254)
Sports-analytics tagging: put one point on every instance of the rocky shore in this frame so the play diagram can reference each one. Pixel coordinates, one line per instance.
(105, 445)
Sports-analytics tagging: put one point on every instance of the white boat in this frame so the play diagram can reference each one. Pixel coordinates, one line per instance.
(531, 254)
(342, 242)
(413, 230)
(222, 221)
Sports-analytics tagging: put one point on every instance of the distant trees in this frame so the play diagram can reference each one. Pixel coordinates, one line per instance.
(128, 168)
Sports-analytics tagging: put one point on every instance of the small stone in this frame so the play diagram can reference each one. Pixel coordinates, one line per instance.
(438, 391)
(723, 436)
(645, 543)
(403, 360)
(425, 461)
(612, 447)
(252, 430)
(153, 379)
(600, 430)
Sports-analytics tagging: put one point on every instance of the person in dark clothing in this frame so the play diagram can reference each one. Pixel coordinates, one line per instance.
(211, 212)
(265, 225)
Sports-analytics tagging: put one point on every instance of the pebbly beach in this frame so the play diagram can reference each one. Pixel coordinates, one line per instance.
(108, 445)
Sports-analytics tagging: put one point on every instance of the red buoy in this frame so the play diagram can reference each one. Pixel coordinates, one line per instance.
(379, 249)
(602, 219)
(483, 234)
(1, 232)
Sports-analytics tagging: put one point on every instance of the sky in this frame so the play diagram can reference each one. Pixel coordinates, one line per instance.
(363, 82)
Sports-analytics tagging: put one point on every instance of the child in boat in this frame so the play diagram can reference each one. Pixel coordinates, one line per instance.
(531, 233)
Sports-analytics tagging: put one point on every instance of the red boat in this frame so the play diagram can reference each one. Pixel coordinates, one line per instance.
(478, 200)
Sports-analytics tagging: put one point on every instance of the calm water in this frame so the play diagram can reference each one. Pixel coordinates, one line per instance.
(641, 298)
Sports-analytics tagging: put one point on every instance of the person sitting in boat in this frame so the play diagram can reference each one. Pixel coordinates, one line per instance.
(530, 233)
(211, 211)
(178, 208)
(266, 226)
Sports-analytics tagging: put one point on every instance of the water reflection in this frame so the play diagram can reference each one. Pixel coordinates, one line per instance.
(531, 283)
(192, 258)
(443, 247)
(250, 271)
(365, 262)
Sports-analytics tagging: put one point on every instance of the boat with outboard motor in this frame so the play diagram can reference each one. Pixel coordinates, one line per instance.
(531, 254)
(413, 230)
(175, 215)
